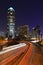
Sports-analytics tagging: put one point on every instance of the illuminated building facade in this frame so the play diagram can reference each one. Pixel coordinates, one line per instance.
(11, 23)
(33, 33)
(36, 32)
(24, 30)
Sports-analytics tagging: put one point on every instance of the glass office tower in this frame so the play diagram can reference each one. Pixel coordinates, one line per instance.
(11, 23)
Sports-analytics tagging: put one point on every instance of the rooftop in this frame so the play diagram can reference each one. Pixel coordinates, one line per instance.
(11, 9)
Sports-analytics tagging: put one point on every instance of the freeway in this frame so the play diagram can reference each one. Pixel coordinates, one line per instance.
(29, 54)
(33, 56)
(36, 56)
(13, 47)
(11, 56)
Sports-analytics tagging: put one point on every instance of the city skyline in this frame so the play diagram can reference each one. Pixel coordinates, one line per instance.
(27, 12)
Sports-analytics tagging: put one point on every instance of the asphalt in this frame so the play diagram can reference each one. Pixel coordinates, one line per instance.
(33, 55)
(36, 57)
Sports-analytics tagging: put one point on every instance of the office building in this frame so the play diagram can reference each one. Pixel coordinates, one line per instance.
(11, 23)
(24, 30)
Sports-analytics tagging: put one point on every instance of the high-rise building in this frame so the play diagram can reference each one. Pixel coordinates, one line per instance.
(33, 33)
(36, 32)
(24, 30)
(11, 23)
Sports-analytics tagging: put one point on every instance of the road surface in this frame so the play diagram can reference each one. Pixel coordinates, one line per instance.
(27, 55)
(36, 56)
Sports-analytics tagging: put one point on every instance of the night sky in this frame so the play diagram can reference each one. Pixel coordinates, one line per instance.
(27, 12)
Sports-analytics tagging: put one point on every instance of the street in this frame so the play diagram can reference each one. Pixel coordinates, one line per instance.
(36, 56)
(27, 55)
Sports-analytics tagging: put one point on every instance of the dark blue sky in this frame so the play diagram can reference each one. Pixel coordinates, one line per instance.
(27, 12)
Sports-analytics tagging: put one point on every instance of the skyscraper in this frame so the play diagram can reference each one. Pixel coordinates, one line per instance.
(11, 23)
(24, 30)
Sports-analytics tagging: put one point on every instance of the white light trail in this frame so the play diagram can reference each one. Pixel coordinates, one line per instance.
(35, 41)
(10, 48)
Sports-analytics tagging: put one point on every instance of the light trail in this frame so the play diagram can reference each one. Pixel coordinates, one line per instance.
(10, 48)
(35, 41)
